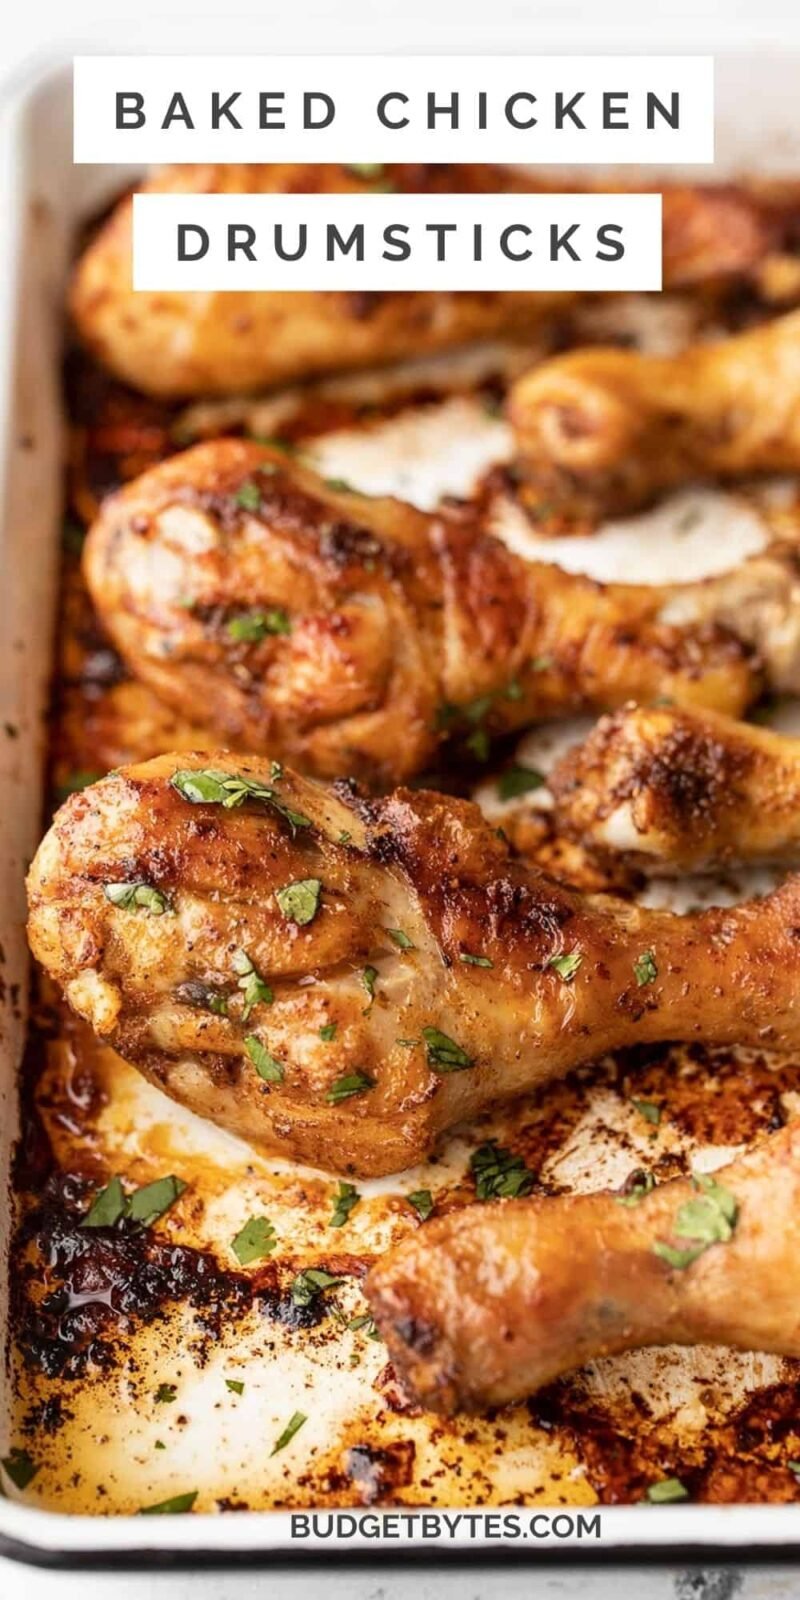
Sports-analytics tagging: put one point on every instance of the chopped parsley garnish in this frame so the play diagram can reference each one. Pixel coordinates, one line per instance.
(144, 1206)
(248, 496)
(149, 1203)
(311, 1283)
(637, 1185)
(74, 782)
(255, 991)
(339, 486)
(366, 1323)
(345, 837)
(794, 1466)
(137, 897)
(293, 1426)
(19, 1467)
(209, 787)
(345, 1200)
(709, 1219)
(368, 978)
(169, 1508)
(498, 1173)
(202, 995)
(422, 1201)
(400, 938)
(474, 961)
(444, 1055)
(478, 744)
(366, 169)
(351, 1083)
(566, 965)
(299, 901)
(649, 1110)
(645, 969)
(235, 1385)
(254, 1241)
(518, 780)
(666, 1491)
(252, 626)
(166, 1393)
(265, 1064)
(328, 1033)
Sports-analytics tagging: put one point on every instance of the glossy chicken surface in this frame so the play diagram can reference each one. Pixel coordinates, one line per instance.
(354, 635)
(487, 1305)
(676, 791)
(177, 344)
(608, 429)
(341, 980)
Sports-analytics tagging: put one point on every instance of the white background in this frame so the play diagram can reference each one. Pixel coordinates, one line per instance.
(53, 28)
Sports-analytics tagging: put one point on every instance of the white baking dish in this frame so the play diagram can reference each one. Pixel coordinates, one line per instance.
(43, 198)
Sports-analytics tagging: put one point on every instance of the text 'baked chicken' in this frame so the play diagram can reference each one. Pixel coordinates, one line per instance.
(341, 980)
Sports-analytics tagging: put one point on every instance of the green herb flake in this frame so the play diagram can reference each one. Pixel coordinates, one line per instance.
(328, 1033)
(542, 663)
(518, 780)
(498, 1173)
(166, 1393)
(159, 1445)
(350, 1084)
(293, 1426)
(265, 1064)
(366, 169)
(345, 837)
(150, 1202)
(254, 1241)
(235, 1385)
(444, 1055)
(365, 1323)
(422, 1201)
(74, 782)
(794, 1466)
(311, 1283)
(369, 978)
(209, 787)
(339, 486)
(345, 1201)
(649, 1110)
(19, 1467)
(299, 901)
(254, 990)
(474, 961)
(566, 965)
(108, 1206)
(400, 938)
(478, 744)
(252, 626)
(639, 1184)
(666, 1491)
(645, 969)
(706, 1220)
(248, 496)
(169, 1508)
(137, 897)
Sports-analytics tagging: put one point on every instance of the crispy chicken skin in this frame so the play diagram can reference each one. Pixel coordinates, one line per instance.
(486, 1305)
(605, 430)
(455, 975)
(353, 635)
(183, 344)
(677, 791)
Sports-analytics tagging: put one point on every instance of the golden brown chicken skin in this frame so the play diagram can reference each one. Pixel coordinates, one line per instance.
(486, 1305)
(342, 980)
(603, 431)
(677, 791)
(183, 344)
(353, 635)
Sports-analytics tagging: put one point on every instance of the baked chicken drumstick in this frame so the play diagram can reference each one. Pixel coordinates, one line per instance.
(354, 634)
(676, 790)
(603, 431)
(184, 343)
(486, 1305)
(342, 979)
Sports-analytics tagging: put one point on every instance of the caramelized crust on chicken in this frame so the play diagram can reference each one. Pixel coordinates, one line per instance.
(486, 1305)
(679, 790)
(341, 980)
(353, 634)
(605, 430)
(200, 344)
